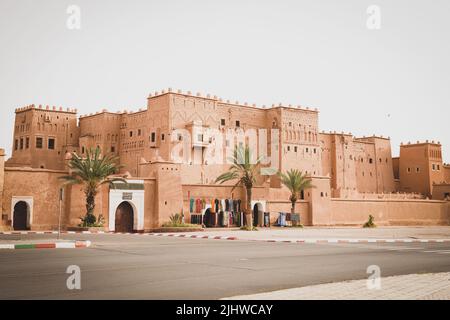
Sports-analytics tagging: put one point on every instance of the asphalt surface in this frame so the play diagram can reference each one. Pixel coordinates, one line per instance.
(142, 267)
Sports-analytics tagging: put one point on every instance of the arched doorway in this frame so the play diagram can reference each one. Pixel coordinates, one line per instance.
(258, 214)
(20, 218)
(124, 218)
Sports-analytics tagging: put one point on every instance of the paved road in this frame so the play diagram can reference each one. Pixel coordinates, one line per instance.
(142, 267)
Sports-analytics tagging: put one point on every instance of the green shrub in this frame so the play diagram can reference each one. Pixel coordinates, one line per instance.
(176, 218)
(176, 221)
(370, 223)
(91, 221)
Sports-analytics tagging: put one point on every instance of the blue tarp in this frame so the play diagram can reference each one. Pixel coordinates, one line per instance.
(281, 219)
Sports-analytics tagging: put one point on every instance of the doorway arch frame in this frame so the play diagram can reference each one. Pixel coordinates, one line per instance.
(30, 203)
(135, 219)
(116, 197)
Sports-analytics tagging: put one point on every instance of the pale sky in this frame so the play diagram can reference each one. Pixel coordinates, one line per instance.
(394, 81)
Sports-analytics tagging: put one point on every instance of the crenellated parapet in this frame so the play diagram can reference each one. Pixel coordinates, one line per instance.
(227, 101)
(46, 108)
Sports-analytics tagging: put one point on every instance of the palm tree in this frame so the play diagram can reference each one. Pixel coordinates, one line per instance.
(93, 171)
(246, 172)
(296, 182)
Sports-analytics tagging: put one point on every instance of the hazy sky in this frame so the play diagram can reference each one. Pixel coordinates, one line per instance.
(394, 81)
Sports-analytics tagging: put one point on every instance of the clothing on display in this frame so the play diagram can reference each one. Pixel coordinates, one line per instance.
(220, 212)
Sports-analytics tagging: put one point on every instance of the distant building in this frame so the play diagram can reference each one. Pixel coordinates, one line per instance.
(354, 177)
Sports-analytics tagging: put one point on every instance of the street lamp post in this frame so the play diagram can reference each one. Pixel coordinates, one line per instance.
(61, 195)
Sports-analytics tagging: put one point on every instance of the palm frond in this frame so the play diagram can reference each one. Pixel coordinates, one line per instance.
(295, 181)
(93, 170)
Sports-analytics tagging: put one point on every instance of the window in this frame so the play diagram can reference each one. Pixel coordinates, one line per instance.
(315, 150)
(238, 123)
(163, 137)
(51, 144)
(370, 160)
(27, 143)
(307, 150)
(288, 148)
(408, 170)
(438, 168)
(295, 149)
(222, 122)
(39, 143)
(417, 170)
(113, 149)
(153, 137)
(180, 137)
(16, 144)
(21, 143)
(139, 132)
(434, 167)
(131, 134)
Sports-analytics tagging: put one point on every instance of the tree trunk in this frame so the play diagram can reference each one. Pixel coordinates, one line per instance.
(293, 202)
(90, 219)
(90, 201)
(248, 213)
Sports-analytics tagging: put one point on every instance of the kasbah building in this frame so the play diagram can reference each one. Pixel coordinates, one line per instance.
(354, 177)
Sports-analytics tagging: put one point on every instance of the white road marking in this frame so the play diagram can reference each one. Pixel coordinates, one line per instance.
(438, 251)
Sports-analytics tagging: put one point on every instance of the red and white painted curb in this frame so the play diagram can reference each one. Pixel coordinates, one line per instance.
(313, 241)
(50, 245)
(51, 232)
(191, 236)
(215, 237)
(318, 241)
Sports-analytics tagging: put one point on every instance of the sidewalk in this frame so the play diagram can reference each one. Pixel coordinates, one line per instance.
(289, 235)
(409, 287)
(335, 233)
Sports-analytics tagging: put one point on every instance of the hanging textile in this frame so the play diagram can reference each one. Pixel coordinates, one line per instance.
(191, 205)
(216, 205)
(230, 203)
(198, 206)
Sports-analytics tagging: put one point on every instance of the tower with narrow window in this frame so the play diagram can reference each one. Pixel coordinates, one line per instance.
(42, 137)
(420, 166)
